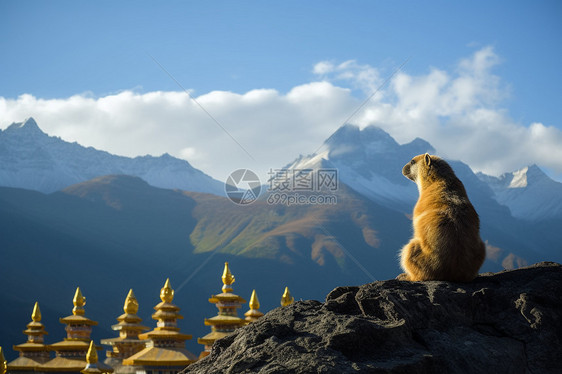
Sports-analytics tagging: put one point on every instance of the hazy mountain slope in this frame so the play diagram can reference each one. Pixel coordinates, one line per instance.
(304, 233)
(31, 159)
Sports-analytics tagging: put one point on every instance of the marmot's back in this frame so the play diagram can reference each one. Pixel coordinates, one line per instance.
(446, 244)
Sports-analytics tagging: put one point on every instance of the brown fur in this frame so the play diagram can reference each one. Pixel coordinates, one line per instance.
(446, 243)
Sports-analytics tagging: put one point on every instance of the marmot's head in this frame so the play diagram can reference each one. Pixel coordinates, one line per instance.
(418, 165)
(427, 168)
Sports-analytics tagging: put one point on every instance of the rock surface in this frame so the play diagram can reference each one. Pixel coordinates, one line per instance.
(507, 322)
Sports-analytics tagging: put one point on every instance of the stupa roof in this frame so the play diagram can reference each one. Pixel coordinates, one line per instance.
(155, 356)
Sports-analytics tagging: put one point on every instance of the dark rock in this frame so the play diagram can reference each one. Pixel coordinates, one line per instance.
(507, 322)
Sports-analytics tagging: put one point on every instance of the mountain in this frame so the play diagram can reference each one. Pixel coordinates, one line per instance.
(529, 193)
(31, 159)
(369, 161)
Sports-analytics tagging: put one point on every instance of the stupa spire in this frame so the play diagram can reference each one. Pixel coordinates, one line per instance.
(287, 299)
(253, 314)
(36, 314)
(227, 279)
(91, 361)
(79, 301)
(254, 302)
(131, 305)
(92, 355)
(167, 293)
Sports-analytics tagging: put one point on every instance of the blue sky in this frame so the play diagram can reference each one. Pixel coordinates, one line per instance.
(54, 51)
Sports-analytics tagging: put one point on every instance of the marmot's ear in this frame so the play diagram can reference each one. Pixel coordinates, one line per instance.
(427, 159)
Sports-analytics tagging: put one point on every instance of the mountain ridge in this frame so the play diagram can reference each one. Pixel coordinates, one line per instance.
(29, 158)
(528, 192)
(369, 160)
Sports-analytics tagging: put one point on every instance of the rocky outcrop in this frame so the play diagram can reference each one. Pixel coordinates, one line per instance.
(507, 322)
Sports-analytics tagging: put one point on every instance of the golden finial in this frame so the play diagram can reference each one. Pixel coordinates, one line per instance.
(253, 314)
(3, 363)
(287, 299)
(131, 305)
(166, 293)
(92, 355)
(254, 302)
(79, 301)
(36, 315)
(227, 279)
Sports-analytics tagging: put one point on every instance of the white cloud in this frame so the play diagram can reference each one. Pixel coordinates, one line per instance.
(273, 128)
(363, 77)
(323, 67)
(457, 111)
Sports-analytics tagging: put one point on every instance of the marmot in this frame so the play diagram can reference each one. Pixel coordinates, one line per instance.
(446, 244)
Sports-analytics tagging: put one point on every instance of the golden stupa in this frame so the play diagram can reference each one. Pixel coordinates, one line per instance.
(287, 299)
(253, 314)
(34, 352)
(92, 366)
(165, 348)
(227, 319)
(128, 342)
(71, 352)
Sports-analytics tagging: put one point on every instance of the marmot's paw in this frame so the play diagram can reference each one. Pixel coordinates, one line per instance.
(403, 277)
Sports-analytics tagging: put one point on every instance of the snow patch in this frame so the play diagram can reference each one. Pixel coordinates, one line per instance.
(519, 179)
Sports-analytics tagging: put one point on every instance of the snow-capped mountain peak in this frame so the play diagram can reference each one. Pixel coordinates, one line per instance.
(525, 176)
(528, 192)
(370, 161)
(350, 138)
(31, 159)
(29, 123)
(26, 128)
